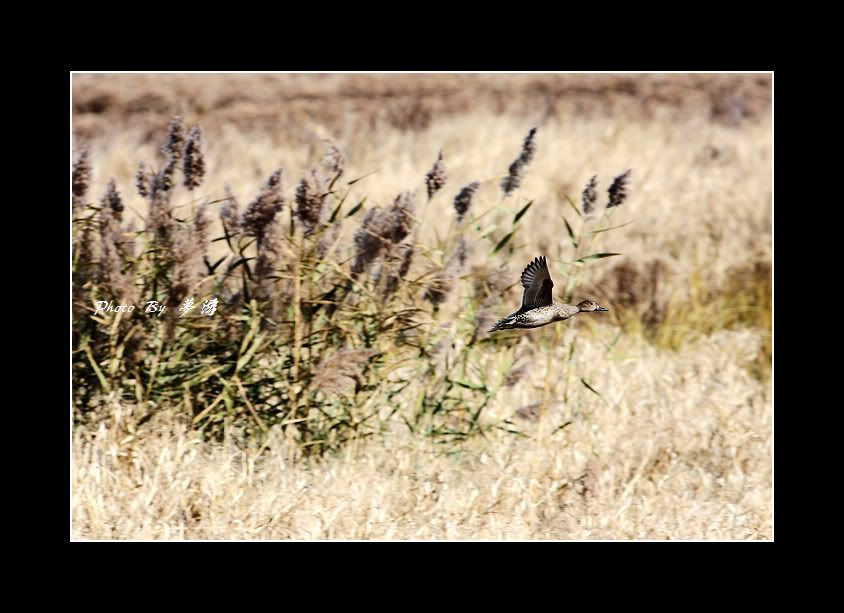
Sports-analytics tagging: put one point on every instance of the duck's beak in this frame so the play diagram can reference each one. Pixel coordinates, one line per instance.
(602, 309)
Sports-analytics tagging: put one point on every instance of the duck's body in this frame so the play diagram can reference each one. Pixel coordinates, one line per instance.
(536, 317)
(538, 309)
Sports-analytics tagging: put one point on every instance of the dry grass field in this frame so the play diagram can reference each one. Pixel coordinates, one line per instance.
(397, 417)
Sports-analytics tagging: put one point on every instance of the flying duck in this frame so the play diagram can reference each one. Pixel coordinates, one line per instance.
(538, 308)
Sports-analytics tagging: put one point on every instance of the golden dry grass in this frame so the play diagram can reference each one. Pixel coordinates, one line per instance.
(679, 450)
(679, 445)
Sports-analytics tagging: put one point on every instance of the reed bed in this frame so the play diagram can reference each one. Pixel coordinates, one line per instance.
(296, 328)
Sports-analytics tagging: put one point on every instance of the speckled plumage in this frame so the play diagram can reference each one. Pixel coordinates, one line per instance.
(538, 308)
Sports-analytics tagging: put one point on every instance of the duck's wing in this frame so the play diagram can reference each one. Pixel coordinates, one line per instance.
(537, 284)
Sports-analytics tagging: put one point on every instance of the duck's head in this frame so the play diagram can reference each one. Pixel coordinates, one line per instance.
(590, 305)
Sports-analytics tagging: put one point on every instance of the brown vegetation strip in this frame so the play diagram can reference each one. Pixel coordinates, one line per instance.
(407, 101)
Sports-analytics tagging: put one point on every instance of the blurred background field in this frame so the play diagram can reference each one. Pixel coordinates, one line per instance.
(651, 422)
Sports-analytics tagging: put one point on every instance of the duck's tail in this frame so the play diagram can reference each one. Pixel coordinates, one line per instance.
(503, 324)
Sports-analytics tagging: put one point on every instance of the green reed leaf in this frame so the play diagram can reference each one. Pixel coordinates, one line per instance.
(503, 242)
(521, 213)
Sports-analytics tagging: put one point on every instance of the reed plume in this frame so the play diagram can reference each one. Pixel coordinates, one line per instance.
(334, 160)
(194, 162)
(85, 271)
(173, 145)
(516, 172)
(399, 218)
(463, 200)
(142, 180)
(230, 212)
(81, 177)
(589, 195)
(189, 252)
(381, 227)
(310, 196)
(263, 210)
(112, 278)
(261, 221)
(159, 219)
(436, 177)
(368, 245)
(112, 200)
(269, 249)
(164, 181)
(618, 190)
(201, 226)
